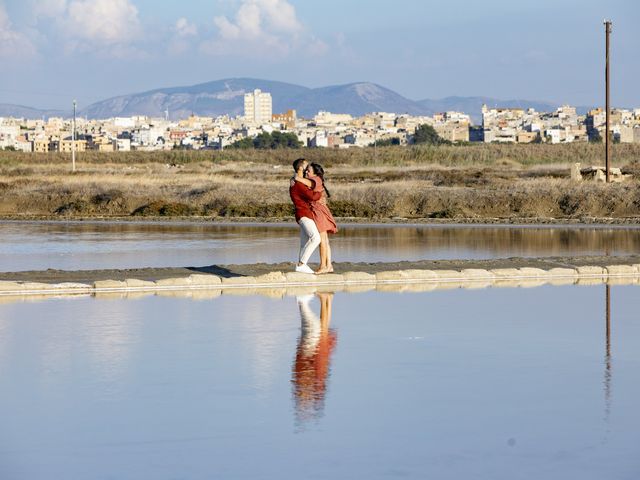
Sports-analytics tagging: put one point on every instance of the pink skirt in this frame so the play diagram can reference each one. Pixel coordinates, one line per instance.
(323, 218)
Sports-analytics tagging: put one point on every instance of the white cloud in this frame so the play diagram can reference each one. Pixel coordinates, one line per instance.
(259, 27)
(317, 47)
(103, 22)
(185, 29)
(48, 8)
(184, 34)
(12, 42)
(280, 15)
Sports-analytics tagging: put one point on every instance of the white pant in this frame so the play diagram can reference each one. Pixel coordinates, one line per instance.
(311, 329)
(309, 238)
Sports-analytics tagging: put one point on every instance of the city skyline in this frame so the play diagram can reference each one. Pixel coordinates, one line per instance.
(545, 52)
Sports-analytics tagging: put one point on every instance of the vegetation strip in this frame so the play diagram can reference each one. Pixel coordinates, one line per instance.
(472, 277)
(482, 183)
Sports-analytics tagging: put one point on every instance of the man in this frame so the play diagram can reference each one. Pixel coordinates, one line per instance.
(302, 196)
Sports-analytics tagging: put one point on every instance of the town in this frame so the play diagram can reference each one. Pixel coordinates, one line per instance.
(324, 130)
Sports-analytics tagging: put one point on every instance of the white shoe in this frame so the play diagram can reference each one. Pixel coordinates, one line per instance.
(304, 268)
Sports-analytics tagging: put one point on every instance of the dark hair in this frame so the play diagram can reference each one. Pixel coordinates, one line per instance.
(297, 163)
(319, 171)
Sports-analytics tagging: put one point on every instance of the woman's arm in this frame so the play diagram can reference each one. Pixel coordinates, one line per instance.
(304, 181)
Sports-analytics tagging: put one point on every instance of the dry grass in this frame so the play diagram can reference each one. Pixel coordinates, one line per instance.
(478, 181)
(453, 156)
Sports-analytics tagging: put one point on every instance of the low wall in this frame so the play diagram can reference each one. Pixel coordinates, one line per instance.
(280, 284)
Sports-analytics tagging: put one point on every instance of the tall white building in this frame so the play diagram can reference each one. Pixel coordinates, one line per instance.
(258, 107)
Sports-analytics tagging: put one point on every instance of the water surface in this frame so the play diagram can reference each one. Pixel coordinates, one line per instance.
(494, 383)
(98, 245)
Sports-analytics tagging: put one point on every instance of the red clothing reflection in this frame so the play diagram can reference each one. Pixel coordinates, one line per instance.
(313, 356)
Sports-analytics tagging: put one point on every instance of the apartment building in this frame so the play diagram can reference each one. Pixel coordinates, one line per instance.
(258, 109)
(66, 146)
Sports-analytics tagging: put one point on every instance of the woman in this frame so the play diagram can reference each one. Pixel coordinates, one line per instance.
(314, 179)
(311, 369)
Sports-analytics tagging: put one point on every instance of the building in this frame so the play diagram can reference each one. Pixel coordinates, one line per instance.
(258, 108)
(328, 119)
(502, 124)
(452, 126)
(287, 120)
(319, 140)
(41, 145)
(123, 144)
(66, 146)
(453, 132)
(384, 120)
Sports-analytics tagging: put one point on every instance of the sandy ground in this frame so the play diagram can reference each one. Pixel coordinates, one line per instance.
(88, 276)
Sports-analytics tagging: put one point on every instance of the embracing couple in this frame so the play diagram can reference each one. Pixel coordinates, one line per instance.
(309, 196)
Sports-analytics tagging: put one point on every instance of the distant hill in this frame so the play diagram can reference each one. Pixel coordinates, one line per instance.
(207, 99)
(20, 111)
(226, 96)
(355, 99)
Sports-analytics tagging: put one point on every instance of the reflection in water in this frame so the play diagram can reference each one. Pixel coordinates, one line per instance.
(313, 356)
(487, 395)
(86, 245)
(607, 357)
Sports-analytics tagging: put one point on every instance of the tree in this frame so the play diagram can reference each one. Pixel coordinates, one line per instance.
(426, 134)
(243, 143)
(266, 141)
(263, 141)
(285, 140)
(595, 136)
(387, 142)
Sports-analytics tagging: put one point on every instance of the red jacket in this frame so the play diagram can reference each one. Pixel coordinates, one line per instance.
(302, 196)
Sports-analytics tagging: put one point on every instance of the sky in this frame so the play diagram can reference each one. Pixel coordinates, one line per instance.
(54, 51)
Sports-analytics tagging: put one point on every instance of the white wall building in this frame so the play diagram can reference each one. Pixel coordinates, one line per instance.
(124, 122)
(258, 108)
(320, 139)
(123, 144)
(328, 119)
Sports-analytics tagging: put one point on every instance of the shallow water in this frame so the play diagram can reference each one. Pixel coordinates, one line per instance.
(83, 246)
(493, 383)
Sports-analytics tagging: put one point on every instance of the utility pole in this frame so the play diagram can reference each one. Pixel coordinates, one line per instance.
(607, 359)
(375, 144)
(73, 139)
(607, 27)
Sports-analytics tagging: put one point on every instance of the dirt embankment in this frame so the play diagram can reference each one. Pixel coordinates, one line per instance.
(483, 183)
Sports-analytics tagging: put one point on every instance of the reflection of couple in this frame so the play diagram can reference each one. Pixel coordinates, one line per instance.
(309, 196)
(311, 367)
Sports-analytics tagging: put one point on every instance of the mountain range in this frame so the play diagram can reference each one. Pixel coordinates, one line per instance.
(226, 96)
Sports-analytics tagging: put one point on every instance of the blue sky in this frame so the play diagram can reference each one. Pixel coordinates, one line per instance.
(55, 50)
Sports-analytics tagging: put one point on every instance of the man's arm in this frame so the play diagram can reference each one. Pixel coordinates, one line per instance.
(308, 195)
